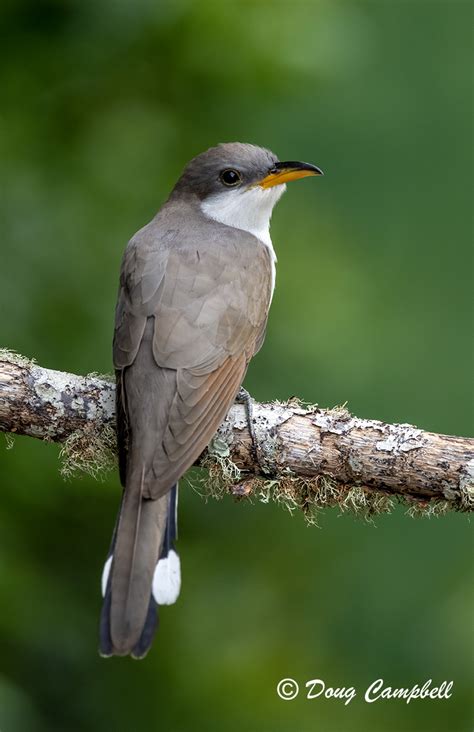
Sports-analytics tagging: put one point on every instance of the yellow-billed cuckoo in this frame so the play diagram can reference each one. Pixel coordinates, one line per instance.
(196, 285)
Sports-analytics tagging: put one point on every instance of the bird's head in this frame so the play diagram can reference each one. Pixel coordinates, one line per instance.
(238, 184)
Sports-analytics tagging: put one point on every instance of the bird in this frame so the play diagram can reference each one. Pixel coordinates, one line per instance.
(196, 284)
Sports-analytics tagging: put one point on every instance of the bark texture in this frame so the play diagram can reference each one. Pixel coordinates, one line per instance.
(305, 456)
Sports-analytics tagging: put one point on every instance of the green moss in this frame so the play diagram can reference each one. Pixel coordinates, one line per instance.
(15, 358)
(427, 509)
(110, 378)
(90, 451)
(9, 440)
(309, 495)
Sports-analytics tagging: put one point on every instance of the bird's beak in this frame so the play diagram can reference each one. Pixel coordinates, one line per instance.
(291, 170)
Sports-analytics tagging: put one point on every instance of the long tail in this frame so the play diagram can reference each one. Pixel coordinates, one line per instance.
(142, 570)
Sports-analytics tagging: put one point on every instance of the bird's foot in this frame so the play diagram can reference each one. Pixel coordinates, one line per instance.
(243, 397)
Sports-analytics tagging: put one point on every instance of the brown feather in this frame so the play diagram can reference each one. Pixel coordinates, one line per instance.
(206, 302)
(192, 309)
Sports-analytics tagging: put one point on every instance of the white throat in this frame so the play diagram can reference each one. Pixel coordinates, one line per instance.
(249, 209)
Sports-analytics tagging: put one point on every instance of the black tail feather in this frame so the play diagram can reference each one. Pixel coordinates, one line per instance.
(105, 641)
(171, 532)
(148, 632)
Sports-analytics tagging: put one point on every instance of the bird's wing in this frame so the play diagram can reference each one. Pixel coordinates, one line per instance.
(209, 301)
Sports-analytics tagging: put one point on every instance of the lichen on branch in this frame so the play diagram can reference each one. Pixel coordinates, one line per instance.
(304, 458)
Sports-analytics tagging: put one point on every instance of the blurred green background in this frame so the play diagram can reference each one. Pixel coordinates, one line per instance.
(102, 104)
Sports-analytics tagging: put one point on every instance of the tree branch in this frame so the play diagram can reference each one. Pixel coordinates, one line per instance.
(306, 456)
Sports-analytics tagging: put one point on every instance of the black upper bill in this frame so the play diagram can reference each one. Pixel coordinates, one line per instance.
(296, 165)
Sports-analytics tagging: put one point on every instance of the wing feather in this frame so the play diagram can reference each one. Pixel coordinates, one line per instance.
(180, 455)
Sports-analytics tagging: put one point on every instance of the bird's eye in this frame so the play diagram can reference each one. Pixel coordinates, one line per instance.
(230, 177)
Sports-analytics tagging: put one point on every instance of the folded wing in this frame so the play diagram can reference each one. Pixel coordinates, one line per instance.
(200, 305)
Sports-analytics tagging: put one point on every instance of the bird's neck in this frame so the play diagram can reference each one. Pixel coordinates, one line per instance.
(249, 210)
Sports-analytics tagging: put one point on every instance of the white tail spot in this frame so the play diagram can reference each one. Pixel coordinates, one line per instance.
(105, 574)
(167, 579)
